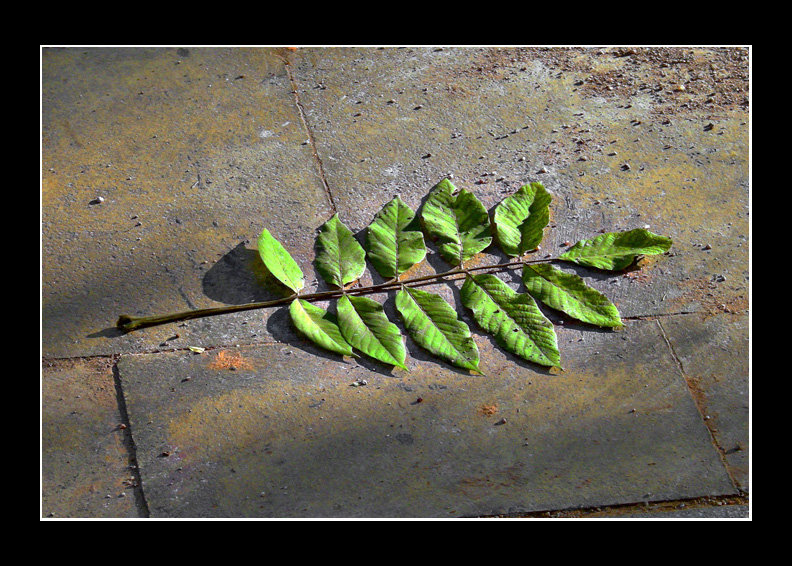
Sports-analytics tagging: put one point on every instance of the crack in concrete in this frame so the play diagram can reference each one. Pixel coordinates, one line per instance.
(311, 139)
(655, 316)
(129, 442)
(699, 399)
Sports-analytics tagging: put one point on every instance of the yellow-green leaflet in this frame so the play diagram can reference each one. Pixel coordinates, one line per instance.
(457, 221)
(512, 318)
(340, 259)
(433, 324)
(520, 219)
(393, 240)
(279, 262)
(364, 325)
(319, 326)
(568, 293)
(616, 250)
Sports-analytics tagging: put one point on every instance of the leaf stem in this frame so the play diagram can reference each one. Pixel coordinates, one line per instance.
(129, 323)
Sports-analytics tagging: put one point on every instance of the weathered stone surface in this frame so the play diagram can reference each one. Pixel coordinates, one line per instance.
(715, 512)
(194, 152)
(286, 431)
(611, 136)
(713, 353)
(87, 461)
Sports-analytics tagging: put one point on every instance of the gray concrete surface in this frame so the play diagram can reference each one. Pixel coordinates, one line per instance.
(194, 151)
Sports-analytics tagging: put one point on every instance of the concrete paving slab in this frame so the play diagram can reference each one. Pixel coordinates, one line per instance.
(193, 152)
(713, 354)
(88, 467)
(705, 508)
(722, 512)
(614, 137)
(281, 431)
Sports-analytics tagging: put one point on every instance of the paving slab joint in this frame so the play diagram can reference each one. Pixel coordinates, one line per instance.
(309, 133)
(635, 510)
(698, 400)
(129, 443)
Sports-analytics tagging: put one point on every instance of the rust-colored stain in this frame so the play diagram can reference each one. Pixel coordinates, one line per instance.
(226, 359)
(699, 395)
(476, 487)
(487, 410)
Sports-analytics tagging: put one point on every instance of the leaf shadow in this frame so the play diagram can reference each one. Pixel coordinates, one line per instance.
(375, 366)
(433, 257)
(110, 332)
(585, 272)
(280, 327)
(240, 277)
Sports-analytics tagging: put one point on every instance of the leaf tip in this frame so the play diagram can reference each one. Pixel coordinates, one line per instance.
(477, 370)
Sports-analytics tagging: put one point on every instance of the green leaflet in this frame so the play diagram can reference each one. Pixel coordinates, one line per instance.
(616, 250)
(279, 262)
(512, 318)
(520, 219)
(433, 324)
(459, 222)
(319, 326)
(364, 325)
(568, 293)
(340, 259)
(393, 246)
